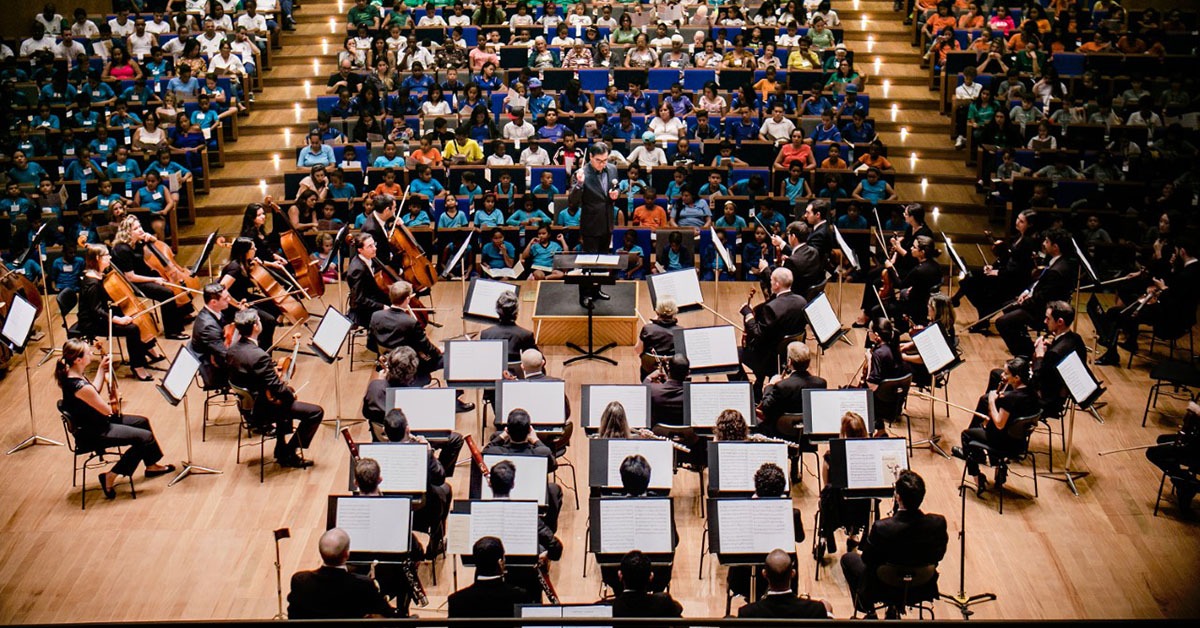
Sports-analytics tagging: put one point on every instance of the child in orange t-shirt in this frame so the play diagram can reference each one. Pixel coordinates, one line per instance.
(389, 185)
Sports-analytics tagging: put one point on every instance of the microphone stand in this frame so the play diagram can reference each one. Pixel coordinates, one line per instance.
(961, 600)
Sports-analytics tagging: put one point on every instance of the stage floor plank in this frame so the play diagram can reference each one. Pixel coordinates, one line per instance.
(203, 548)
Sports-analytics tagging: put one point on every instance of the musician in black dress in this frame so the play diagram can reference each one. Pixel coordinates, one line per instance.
(95, 307)
(884, 362)
(235, 276)
(1055, 283)
(1017, 401)
(366, 297)
(506, 327)
(901, 259)
(254, 226)
(400, 371)
(94, 423)
(658, 336)
(939, 311)
(1001, 281)
(129, 248)
(910, 300)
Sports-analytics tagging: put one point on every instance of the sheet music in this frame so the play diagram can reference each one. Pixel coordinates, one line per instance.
(846, 250)
(629, 524)
(738, 462)
(633, 398)
(826, 408)
(608, 260)
(1084, 260)
(475, 360)
(458, 534)
(707, 347)
(821, 316)
(659, 453)
(182, 372)
(514, 523)
(585, 611)
(542, 399)
(530, 481)
(874, 462)
(484, 293)
(932, 347)
(755, 526)
(403, 467)
(721, 250)
(707, 400)
(506, 273)
(682, 285)
(331, 332)
(1076, 376)
(427, 409)
(587, 260)
(375, 524)
(962, 268)
(21, 317)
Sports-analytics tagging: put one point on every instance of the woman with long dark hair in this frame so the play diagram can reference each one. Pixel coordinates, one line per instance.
(235, 276)
(95, 307)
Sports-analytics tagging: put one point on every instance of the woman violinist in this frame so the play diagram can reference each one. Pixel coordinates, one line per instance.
(94, 308)
(910, 299)
(128, 256)
(235, 276)
(94, 420)
(1004, 279)
(900, 250)
(1013, 400)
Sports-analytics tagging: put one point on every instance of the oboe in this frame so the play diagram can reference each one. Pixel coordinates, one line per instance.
(414, 582)
(543, 576)
(645, 433)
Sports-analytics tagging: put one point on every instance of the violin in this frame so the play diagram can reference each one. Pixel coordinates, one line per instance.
(114, 397)
(121, 292)
(161, 259)
(277, 292)
(285, 367)
(305, 268)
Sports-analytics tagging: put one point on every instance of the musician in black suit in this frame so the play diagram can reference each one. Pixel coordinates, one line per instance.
(502, 479)
(908, 538)
(800, 257)
(769, 482)
(1176, 451)
(1051, 388)
(1056, 283)
(252, 369)
(900, 256)
(431, 517)
(390, 576)
(1017, 401)
(635, 482)
(366, 297)
(768, 324)
(785, 395)
(506, 327)
(332, 592)
(594, 189)
(666, 392)
(397, 326)
(208, 336)
(489, 595)
(820, 236)
(781, 601)
(518, 438)
(635, 600)
(658, 336)
(383, 210)
(1169, 305)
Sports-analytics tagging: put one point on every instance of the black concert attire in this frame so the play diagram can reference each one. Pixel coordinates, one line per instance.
(375, 409)
(920, 372)
(366, 297)
(394, 327)
(1055, 283)
(383, 249)
(738, 577)
(666, 407)
(908, 538)
(489, 596)
(820, 237)
(519, 339)
(334, 593)
(252, 369)
(783, 605)
(596, 208)
(554, 494)
(838, 512)
(208, 345)
(904, 263)
(781, 316)
(1050, 386)
(127, 258)
(629, 603)
(806, 263)
(1020, 403)
(1174, 452)
(1013, 266)
(658, 337)
(1171, 317)
(885, 364)
(243, 289)
(95, 429)
(787, 397)
(94, 308)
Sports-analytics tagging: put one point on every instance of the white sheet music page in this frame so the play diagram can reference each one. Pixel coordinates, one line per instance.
(514, 523)
(629, 524)
(828, 406)
(658, 453)
(587, 611)
(403, 467)
(874, 462)
(755, 526)
(183, 371)
(374, 523)
(682, 285)
(824, 321)
(530, 482)
(737, 463)
(1076, 376)
(542, 399)
(846, 250)
(632, 397)
(932, 347)
(475, 360)
(711, 346)
(708, 400)
(330, 333)
(427, 409)
(458, 533)
(484, 293)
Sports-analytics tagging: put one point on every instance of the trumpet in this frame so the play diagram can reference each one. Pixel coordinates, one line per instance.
(763, 438)
(645, 433)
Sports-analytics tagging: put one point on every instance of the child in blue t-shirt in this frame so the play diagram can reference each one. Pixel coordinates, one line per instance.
(729, 219)
(635, 269)
(540, 253)
(452, 218)
(528, 215)
(488, 215)
(426, 185)
(416, 216)
(470, 188)
(565, 217)
(714, 186)
(67, 269)
(498, 253)
(546, 186)
(677, 185)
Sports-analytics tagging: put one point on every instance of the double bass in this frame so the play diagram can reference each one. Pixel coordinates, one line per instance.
(304, 266)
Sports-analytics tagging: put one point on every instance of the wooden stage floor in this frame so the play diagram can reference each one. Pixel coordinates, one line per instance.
(203, 548)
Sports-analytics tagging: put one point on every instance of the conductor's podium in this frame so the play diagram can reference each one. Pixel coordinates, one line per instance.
(558, 318)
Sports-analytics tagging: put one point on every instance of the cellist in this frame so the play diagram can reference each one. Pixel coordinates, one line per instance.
(383, 210)
(94, 308)
(235, 276)
(129, 247)
(366, 297)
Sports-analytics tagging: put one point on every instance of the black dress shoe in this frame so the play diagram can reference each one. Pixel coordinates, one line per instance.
(177, 336)
(155, 359)
(958, 452)
(600, 294)
(981, 485)
(150, 473)
(1110, 358)
(463, 406)
(294, 462)
(858, 325)
(109, 493)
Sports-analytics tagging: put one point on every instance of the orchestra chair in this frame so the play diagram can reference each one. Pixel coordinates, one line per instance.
(1179, 376)
(245, 401)
(357, 334)
(1019, 429)
(92, 453)
(66, 300)
(686, 436)
(903, 589)
(781, 348)
(559, 444)
(1185, 475)
(891, 397)
(216, 393)
(812, 292)
(791, 427)
(1170, 337)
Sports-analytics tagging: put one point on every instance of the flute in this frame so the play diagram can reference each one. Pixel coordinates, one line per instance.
(645, 433)
(763, 438)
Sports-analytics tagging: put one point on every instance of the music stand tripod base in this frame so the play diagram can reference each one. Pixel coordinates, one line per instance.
(964, 603)
(1069, 478)
(591, 353)
(33, 441)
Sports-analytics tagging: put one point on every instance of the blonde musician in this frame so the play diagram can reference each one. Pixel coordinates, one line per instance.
(95, 306)
(128, 256)
(275, 401)
(94, 422)
(1014, 400)
(235, 276)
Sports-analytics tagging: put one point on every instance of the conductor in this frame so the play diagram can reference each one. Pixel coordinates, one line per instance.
(594, 190)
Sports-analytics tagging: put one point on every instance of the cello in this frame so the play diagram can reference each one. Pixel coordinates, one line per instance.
(122, 293)
(270, 286)
(13, 282)
(305, 268)
(161, 259)
(415, 266)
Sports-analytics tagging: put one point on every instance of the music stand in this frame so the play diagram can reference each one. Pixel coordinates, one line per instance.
(15, 333)
(430, 411)
(327, 343)
(634, 398)
(174, 388)
(827, 329)
(598, 270)
(618, 526)
(824, 408)
(205, 253)
(710, 350)
(683, 286)
(703, 401)
(479, 305)
(460, 259)
(731, 465)
(1083, 390)
(605, 456)
(854, 263)
(963, 271)
(565, 611)
(744, 530)
(380, 527)
(339, 242)
(1084, 263)
(402, 466)
(475, 364)
(939, 359)
(514, 522)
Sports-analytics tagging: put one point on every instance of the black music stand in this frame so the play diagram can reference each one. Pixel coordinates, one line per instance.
(598, 270)
(174, 388)
(15, 334)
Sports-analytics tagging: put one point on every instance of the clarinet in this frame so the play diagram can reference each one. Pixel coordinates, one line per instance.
(763, 438)
(543, 577)
(409, 568)
(645, 433)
